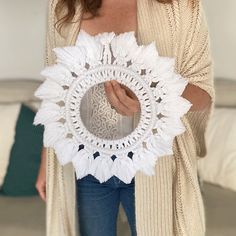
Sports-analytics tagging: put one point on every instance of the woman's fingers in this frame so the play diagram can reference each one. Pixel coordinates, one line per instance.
(41, 187)
(114, 100)
(121, 92)
(41, 178)
(129, 92)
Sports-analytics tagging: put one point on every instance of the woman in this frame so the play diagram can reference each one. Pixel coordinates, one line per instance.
(169, 203)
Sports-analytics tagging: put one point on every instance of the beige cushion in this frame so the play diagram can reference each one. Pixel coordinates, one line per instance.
(18, 90)
(8, 118)
(219, 166)
(225, 93)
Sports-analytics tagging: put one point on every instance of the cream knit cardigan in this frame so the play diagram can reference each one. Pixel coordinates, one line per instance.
(169, 203)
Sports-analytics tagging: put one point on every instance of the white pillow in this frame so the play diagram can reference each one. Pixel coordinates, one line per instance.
(219, 166)
(8, 117)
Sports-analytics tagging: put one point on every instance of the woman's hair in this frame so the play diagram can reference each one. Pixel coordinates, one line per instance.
(90, 6)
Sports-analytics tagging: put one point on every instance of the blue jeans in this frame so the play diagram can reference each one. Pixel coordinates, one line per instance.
(98, 205)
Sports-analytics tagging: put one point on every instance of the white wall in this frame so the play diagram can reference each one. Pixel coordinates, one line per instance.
(221, 15)
(22, 38)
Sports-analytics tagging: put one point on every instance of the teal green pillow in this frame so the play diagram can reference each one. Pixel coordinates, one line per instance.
(25, 156)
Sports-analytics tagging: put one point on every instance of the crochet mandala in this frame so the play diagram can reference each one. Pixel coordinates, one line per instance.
(96, 59)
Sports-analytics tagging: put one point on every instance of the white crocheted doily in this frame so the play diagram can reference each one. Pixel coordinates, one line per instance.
(96, 59)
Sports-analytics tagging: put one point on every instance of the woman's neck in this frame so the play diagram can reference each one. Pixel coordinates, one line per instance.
(117, 16)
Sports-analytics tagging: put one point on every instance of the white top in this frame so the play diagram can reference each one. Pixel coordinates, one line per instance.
(103, 121)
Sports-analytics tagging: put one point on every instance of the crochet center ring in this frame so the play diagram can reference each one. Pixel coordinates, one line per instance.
(101, 74)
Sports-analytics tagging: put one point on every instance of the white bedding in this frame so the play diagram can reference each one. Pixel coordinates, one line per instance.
(219, 166)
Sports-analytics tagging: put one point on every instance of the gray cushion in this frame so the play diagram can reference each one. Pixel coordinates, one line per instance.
(18, 90)
(225, 92)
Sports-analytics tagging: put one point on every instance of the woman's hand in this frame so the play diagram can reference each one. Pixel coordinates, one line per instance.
(121, 98)
(41, 179)
(197, 96)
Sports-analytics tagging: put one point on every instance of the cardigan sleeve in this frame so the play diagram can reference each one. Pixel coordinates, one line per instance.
(195, 64)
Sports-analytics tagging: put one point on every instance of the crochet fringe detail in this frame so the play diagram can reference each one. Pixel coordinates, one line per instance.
(96, 59)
